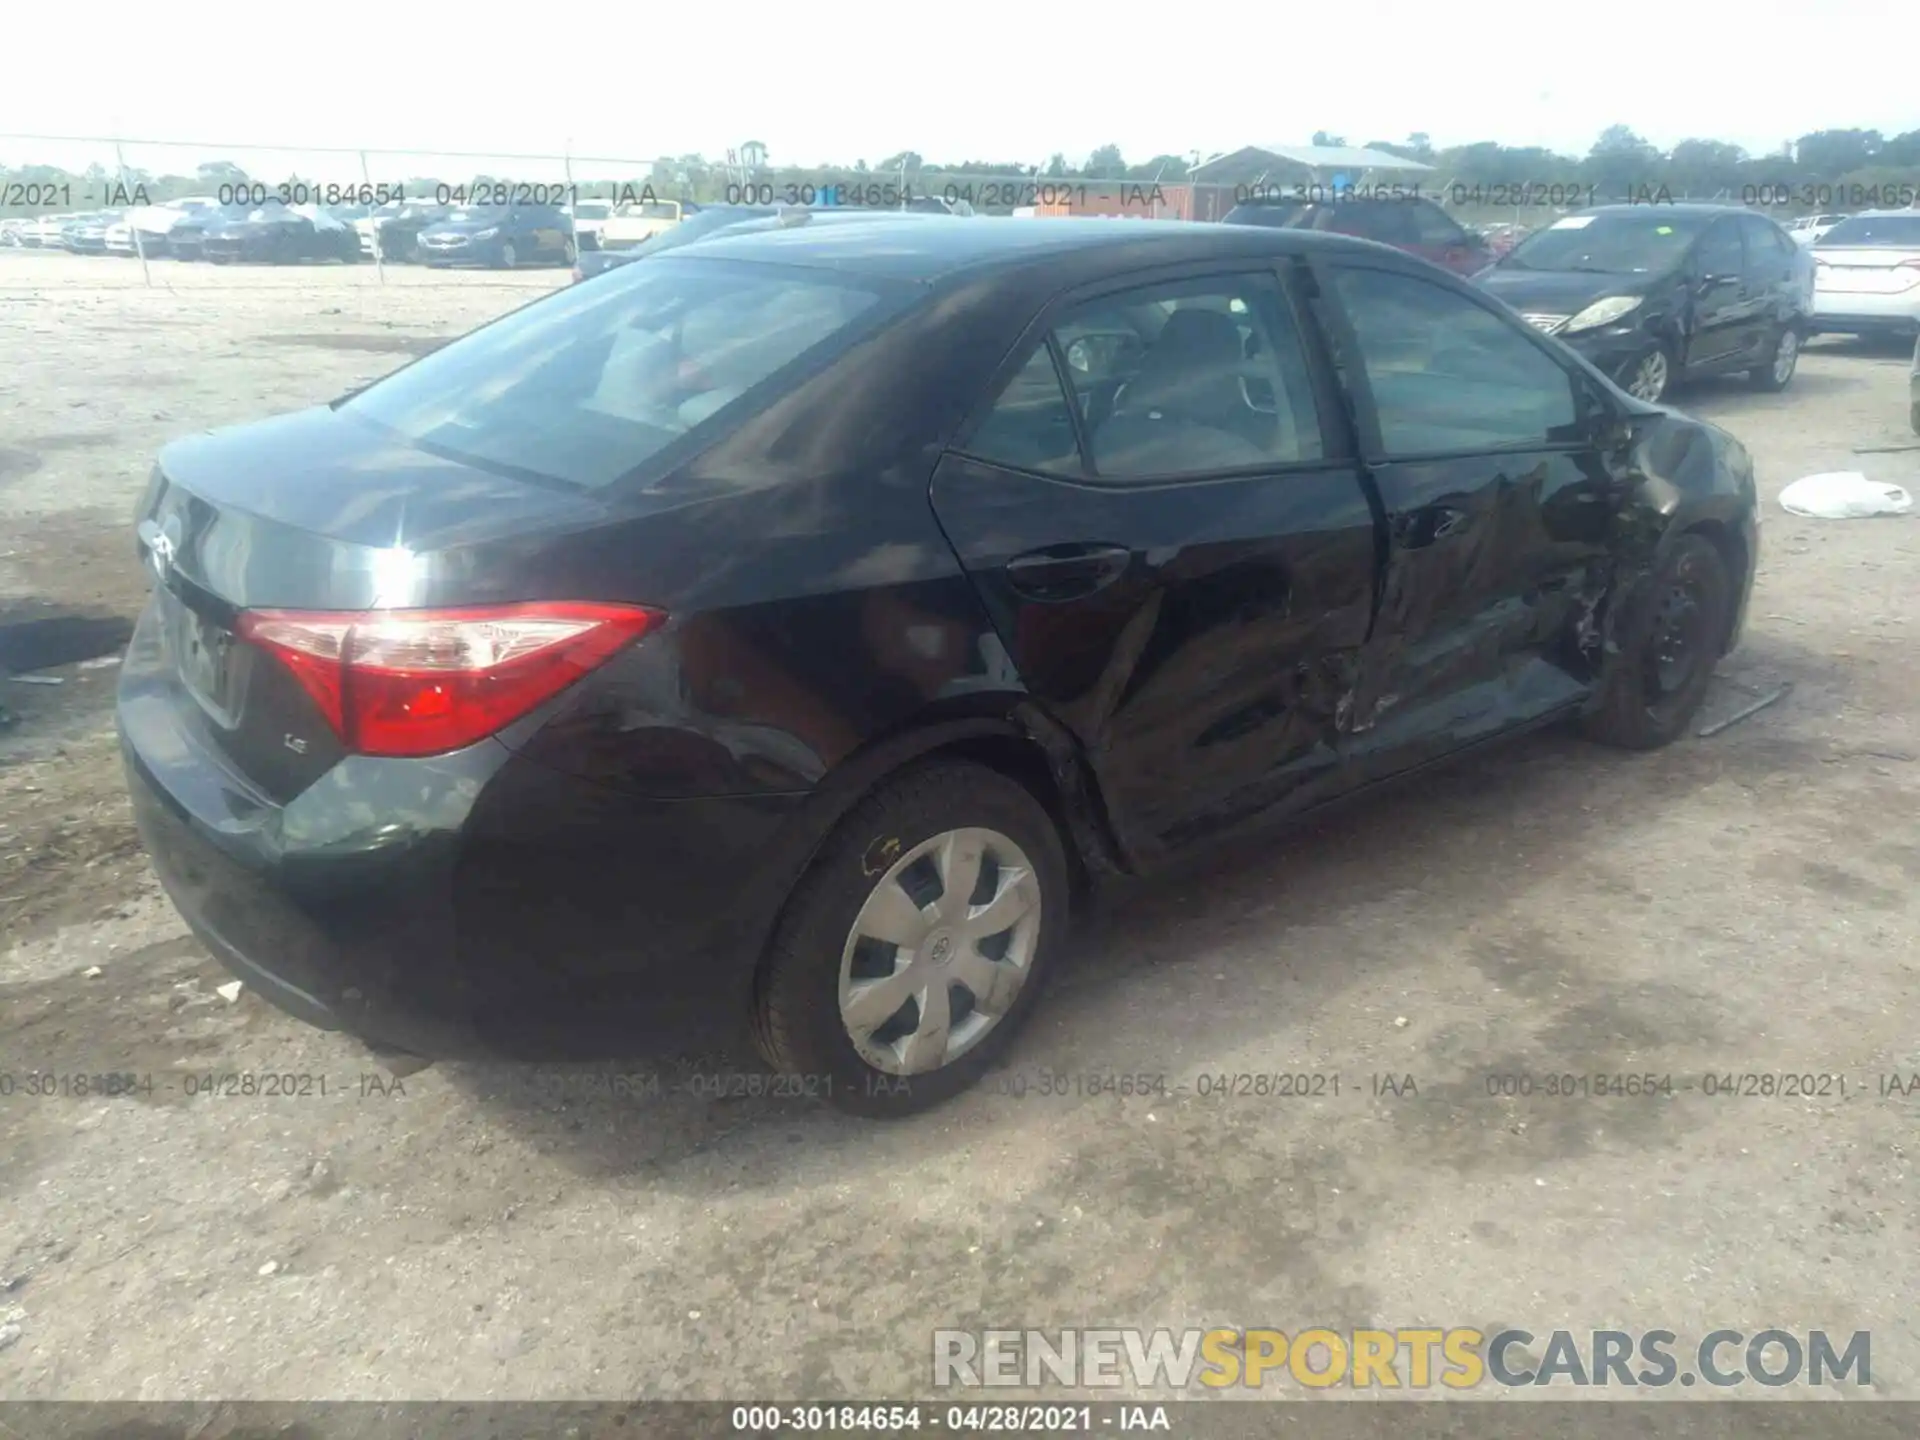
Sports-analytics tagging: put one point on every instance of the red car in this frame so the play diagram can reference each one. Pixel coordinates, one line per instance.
(1413, 223)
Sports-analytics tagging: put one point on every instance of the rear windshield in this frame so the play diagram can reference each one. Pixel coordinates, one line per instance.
(591, 382)
(1875, 230)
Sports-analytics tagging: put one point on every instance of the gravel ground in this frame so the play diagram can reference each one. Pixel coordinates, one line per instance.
(1736, 904)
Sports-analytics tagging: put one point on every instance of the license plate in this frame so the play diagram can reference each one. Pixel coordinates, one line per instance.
(200, 653)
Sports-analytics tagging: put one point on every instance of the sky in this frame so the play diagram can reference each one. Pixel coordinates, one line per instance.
(847, 79)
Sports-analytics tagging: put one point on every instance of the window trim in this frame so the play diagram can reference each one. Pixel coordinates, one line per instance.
(1279, 271)
(1332, 314)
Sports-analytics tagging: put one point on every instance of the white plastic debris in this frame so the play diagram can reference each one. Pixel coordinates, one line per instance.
(230, 991)
(1843, 495)
(93, 972)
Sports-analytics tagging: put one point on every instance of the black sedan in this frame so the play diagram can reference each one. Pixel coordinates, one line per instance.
(502, 236)
(784, 632)
(1655, 294)
(274, 234)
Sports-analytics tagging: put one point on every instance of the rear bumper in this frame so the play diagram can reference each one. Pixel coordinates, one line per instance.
(472, 904)
(1857, 313)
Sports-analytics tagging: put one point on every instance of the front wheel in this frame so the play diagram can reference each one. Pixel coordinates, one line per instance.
(1672, 635)
(569, 252)
(917, 943)
(1775, 372)
(1648, 376)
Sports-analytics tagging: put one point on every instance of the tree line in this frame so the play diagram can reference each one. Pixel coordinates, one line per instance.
(1620, 164)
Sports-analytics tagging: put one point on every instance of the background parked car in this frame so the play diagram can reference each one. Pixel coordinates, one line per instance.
(640, 220)
(276, 234)
(87, 234)
(156, 224)
(1809, 228)
(1655, 294)
(1867, 275)
(396, 228)
(10, 233)
(45, 232)
(186, 240)
(499, 235)
(589, 219)
(1414, 224)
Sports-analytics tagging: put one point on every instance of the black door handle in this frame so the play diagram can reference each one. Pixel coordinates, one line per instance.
(1067, 572)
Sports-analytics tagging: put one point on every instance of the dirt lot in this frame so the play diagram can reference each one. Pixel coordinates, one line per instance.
(1743, 903)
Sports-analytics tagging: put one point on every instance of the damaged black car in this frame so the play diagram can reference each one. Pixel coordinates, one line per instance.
(785, 635)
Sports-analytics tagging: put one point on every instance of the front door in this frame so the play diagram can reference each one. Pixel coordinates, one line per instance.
(1498, 505)
(1723, 310)
(1162, 516)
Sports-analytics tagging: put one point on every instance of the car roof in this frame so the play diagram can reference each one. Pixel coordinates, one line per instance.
(1676, 207)
(922, 247)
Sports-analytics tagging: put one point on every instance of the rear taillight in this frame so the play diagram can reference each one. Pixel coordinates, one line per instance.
(422, 682)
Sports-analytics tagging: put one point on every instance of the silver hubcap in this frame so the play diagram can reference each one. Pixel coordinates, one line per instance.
(507, 257)
(1649, 377)
(1785, 357)
(940, 951)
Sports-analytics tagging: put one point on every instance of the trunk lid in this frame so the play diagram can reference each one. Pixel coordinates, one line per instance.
(312, 511)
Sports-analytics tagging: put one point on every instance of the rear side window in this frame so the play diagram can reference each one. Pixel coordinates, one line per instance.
(1388, 221)
(590, 383)
(1434, 226)
(1030, 426)
(1768, 248)
(1448, 375)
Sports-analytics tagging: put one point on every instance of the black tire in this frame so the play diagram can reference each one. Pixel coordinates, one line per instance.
(1631, 371)
(1645, 705)
(797, 1023)
(508, 257)
(1765, 376)
(569, 252)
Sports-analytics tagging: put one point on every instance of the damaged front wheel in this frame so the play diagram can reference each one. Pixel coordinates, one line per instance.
(1667, 650)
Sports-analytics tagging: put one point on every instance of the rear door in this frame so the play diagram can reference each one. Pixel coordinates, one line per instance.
(1773, 276)
(1474, 431)
(1160, 509)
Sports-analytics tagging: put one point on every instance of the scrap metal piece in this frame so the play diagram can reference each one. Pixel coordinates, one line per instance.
(1773, 697)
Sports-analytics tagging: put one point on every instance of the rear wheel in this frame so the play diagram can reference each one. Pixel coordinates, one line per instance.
(1666, 656)
(1648, 376)
(569, 252)
(917, 943)
(508, 257)
(1775, 372)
